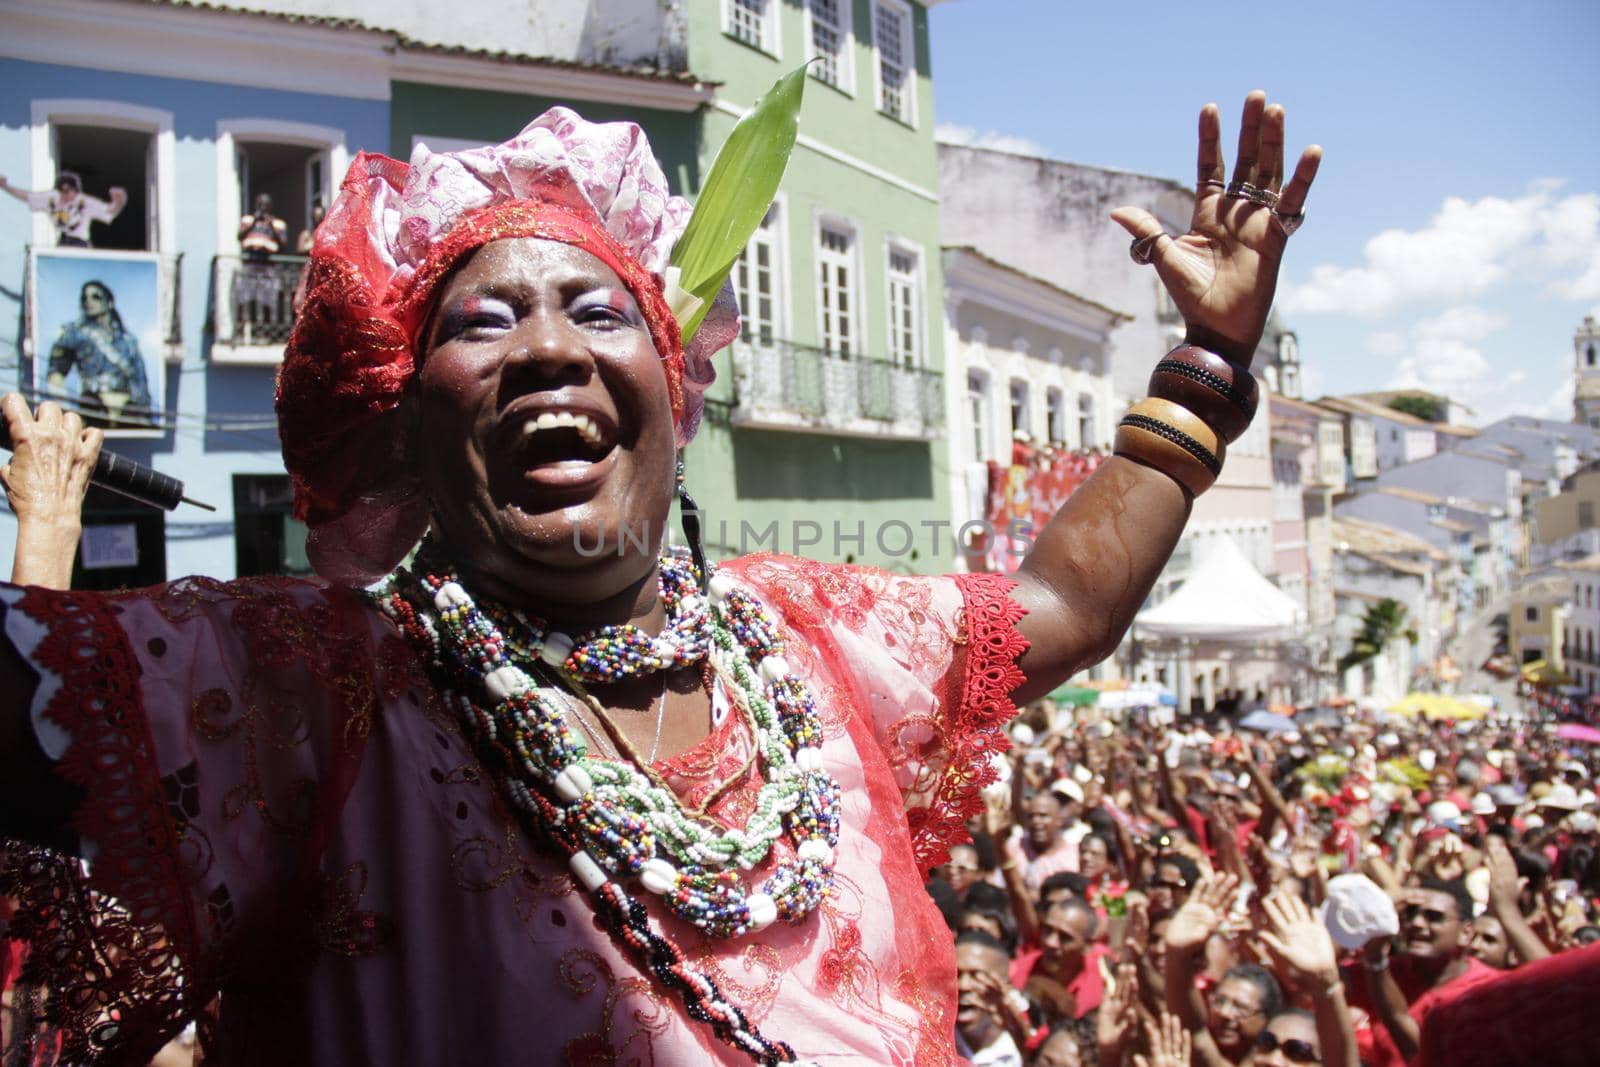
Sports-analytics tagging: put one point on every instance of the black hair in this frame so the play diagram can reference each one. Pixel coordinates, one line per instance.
(1071, 881)
(987, 895)
(69, 177)
(978, 937)
(1262, 979)
(1456, 890)
(1186, 866)
(983, 845)
(111, 302)
(1001, 915)
(1072, 904)
(1586, 935)
(1113, 853)
(945, 899)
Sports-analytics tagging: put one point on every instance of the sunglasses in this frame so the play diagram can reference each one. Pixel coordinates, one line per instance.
(1433, 915)
(1295, 1050)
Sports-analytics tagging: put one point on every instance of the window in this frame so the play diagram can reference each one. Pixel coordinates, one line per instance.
(1055, 416)
(891, 39)
(108, 144)
(1086, 428)
(758, 282)
(832, 43)
(905, 308)
(1585, 514)
(836, 270)
(752, 21)
(978, 413)
(1530, 655)
(1588, 355)
(1532, 613)
(1021, 422)
(267, 537)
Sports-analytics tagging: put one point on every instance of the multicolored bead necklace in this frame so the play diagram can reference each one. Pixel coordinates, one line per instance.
(627, 823)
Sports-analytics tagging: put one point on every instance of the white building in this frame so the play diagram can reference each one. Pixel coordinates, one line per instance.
(1023, 356)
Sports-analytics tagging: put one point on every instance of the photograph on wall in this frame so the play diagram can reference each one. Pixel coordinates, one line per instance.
(96, 337)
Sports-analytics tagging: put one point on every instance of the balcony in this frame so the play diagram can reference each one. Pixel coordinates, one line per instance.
(252, 308)
(787, 386)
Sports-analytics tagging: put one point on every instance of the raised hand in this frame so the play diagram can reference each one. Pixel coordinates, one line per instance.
(1170, 1044)
(1223, 272)
(1202, 914)
(1118, 1016)
(52, 458)
(1299, 942)
(1504, 885)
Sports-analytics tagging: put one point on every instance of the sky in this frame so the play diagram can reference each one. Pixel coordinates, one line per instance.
(1452, 238)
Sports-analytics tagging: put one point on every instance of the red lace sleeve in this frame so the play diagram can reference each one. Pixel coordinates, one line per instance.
(929, 662)
(215, 729)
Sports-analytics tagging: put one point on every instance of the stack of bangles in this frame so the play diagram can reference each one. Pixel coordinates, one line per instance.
(1199, 403)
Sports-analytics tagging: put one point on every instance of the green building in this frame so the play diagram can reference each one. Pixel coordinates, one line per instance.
(824, 432)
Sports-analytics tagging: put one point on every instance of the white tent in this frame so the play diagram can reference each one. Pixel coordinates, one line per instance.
(1224, 598)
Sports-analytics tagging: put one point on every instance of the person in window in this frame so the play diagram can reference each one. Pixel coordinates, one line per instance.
(262, 235)
(70, 208)
(302, 246)
(112, 388)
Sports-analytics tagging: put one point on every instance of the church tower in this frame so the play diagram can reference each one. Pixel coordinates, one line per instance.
(1586, 373)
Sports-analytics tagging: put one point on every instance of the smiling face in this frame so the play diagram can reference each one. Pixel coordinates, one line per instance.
(545, 426)
(1432, 926)
(1234, 1015)
(1093, 858)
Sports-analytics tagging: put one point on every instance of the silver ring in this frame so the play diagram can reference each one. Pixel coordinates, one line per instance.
(1289, 222)
(1265, 196)
(1210, 183)
(1239, 190)
(1142, 251)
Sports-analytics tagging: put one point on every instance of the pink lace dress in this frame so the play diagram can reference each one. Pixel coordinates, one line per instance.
(284, 812)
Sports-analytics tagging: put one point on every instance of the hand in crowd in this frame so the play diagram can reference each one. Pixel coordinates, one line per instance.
(1170, 1044)
(1299, 942)
(1203, 913)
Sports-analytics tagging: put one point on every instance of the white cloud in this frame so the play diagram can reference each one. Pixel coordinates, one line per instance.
(950, 133)
(1468, 247)
(1443, 355)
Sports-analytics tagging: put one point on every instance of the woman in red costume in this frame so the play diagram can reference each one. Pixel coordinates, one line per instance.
(544, 793)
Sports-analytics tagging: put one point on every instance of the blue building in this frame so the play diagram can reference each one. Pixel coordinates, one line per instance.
(194, 111)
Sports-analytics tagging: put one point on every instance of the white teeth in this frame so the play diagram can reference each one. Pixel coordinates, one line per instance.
(587, 428)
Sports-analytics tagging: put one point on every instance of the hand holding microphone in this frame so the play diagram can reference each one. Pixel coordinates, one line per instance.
(63, 455)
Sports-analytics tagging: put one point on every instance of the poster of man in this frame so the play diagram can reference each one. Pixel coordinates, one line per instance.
(96, 337)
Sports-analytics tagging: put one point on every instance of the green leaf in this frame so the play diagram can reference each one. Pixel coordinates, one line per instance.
(737, 192)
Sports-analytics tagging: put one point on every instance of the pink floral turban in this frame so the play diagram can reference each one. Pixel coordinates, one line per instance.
(392, 235)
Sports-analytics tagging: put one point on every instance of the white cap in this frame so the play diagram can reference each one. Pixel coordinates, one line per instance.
(1357, 911)
(1443, 813)
(1582, 822)
(1561, 796)
(1022, 734)
(1482, 804)
(1068, 787)
(1533, 822)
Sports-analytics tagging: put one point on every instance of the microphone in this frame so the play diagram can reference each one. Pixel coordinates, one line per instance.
(133, 480)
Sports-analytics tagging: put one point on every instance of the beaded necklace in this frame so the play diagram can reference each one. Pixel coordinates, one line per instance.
(625, 821)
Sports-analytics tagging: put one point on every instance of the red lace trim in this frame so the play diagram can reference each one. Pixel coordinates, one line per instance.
(976, 731)
(114, 966)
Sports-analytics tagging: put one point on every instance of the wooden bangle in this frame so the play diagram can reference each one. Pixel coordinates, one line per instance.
(1221, 393)
(1173, 440)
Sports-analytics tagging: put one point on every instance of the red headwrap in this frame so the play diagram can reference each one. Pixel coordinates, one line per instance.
(392, 236)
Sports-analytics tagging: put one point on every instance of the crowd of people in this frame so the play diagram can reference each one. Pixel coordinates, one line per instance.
(1366, 892)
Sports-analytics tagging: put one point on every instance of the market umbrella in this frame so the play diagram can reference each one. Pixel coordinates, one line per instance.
(1320, 716)
(1450, 708)
(1268, 722)
(1576, 731)
(1076, 695)
(1412, 705)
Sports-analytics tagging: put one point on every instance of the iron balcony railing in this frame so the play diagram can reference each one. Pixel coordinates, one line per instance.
(784, 385)
(252, 302)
